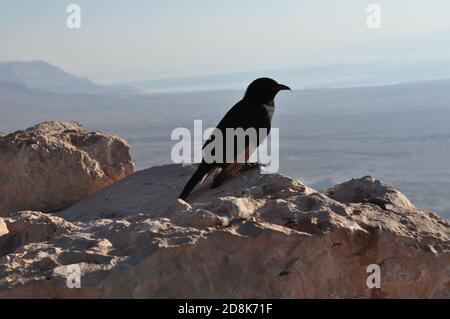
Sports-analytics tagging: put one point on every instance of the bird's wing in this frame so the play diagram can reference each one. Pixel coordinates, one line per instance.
(242, 115)
(232, 116)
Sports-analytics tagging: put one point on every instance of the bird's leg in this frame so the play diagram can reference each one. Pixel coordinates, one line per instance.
(249, 166)
(227, 172)
(217, 171)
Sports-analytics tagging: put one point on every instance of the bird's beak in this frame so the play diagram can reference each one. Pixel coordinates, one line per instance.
(282, 87)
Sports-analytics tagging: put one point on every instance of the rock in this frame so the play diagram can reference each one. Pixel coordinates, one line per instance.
(3, 228)
(32, 227)
(368, 190)
(50, 166)
(256, 236)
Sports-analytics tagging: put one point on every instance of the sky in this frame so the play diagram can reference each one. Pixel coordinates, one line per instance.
(172, 38)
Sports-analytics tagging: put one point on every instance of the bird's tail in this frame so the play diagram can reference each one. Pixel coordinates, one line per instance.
(201, 172)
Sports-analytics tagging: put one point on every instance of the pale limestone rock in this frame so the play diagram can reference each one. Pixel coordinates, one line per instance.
(256, 236)
(3, 228)
(32, 227)
(368, 190)
(50, 166)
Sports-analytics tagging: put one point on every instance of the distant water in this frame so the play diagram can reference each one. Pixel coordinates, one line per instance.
(399, 134)
(328, 76)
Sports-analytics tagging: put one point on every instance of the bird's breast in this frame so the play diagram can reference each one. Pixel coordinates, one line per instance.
(266, 111)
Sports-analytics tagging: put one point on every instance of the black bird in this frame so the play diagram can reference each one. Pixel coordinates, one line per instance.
(255, 110)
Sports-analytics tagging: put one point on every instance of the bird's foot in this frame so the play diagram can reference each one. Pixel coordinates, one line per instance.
(249, 166)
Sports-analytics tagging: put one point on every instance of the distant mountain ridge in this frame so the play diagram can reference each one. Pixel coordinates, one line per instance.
(11, 87)
(43, 76)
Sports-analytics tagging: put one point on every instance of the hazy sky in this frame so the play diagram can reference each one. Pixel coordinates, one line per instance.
(164, 38)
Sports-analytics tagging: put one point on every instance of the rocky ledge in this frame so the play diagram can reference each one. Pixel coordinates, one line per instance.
(256, 236)
(51, 165)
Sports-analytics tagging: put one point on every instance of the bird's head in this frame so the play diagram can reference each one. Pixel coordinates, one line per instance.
(264, 89)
